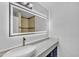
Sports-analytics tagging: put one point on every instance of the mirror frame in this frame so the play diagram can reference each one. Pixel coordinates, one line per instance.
(11, 34)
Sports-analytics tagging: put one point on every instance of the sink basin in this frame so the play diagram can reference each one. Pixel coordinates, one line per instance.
(24, 51)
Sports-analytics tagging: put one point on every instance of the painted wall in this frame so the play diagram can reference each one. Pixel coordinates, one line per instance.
(64, 24)
(5, 40)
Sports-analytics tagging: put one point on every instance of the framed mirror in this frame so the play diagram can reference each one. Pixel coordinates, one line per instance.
(24, 22)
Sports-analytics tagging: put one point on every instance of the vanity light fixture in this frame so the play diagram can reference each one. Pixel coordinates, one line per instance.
(29, 5)
(26, 4)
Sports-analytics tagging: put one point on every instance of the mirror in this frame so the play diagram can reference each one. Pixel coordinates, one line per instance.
(23, 21)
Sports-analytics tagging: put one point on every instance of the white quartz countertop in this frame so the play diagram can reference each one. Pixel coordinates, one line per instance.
(44, 45)
(41, 46)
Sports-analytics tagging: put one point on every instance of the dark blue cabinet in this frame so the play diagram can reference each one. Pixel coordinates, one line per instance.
(53, 53)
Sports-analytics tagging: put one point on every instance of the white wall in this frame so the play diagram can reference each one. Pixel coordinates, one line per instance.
(64, 23)
(5, 40)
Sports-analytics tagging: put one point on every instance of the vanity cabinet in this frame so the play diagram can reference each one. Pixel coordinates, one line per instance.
(53, 53)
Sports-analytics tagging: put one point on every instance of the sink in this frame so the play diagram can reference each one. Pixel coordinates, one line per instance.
(24, 51)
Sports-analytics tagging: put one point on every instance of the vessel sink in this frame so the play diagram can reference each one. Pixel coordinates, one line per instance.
(24, 51)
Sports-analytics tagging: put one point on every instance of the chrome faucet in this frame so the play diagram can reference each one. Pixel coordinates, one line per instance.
(24, 41)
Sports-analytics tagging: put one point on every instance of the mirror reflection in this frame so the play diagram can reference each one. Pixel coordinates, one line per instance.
(27, 22)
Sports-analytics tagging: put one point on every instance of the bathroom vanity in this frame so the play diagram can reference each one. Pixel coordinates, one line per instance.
(43, 48)
(14, 18)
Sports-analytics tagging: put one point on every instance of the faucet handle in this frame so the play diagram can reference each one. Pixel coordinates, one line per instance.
(24, 41)
(24, 38)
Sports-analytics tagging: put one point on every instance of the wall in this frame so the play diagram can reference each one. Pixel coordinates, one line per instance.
(64, 24)
(5, 40)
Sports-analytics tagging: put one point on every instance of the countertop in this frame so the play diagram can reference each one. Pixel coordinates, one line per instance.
(41, 46)
(44, 45)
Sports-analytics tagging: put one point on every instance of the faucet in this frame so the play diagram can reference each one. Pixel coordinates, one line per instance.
(24, 41)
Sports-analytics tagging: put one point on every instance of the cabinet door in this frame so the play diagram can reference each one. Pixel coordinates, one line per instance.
(53, 53)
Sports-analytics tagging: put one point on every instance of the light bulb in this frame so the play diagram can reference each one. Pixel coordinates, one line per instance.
(24, 3)
(30, 5)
